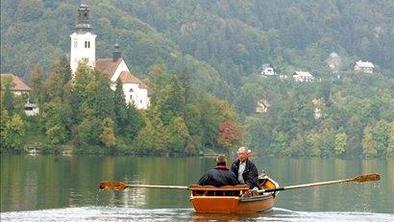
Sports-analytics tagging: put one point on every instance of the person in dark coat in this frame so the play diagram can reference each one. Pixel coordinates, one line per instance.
(245, 170)
(220, 175)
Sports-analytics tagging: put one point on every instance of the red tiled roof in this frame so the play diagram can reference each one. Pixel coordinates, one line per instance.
(127, 77)
(107, 66)
(18, 84)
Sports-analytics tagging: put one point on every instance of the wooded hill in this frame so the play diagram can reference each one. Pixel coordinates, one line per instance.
(222, 44)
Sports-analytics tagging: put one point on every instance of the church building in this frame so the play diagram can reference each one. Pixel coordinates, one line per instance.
(83, 50)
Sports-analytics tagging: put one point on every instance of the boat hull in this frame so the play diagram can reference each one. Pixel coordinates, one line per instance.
(231, 205)
(233, 199)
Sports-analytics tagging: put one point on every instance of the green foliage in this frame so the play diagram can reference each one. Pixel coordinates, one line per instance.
(7, 99)
(178, 135)
(202, 63)
(12, 131)
(36, 79)
(369, 149)
(340, 143)
(88, 132)
(107, 136)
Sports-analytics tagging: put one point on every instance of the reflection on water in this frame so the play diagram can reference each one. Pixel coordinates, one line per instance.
(69, 184)
(183, 214)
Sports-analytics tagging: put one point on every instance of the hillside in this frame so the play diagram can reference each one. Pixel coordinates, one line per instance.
(221, 46)
(226, 38)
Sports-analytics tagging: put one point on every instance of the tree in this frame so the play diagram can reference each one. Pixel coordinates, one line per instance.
(153, 138)
(56, 134)
(89, 131)
(13, 133)
(368, 143)
(314, 142)
(171, 101)
(230, 135)
(340, 143)
(37, 84)
(178, 135)
(381, 137)
(120, 107)
(8, 100)
(107, 135)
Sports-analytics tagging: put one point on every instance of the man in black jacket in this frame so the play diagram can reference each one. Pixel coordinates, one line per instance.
(220, 175)
(245, 170)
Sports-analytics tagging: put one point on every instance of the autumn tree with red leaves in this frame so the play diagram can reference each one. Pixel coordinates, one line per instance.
(230, 134)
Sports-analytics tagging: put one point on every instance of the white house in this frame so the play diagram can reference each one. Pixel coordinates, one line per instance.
(366, 67)
(267, 70)
(83, 50)
(262, 106)
(115, 68)
(334, 61)
(301, 76)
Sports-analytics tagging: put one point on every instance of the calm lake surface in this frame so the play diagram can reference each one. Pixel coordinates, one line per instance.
(57, 188)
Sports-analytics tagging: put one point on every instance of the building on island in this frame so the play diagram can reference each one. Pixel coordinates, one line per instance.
(19, 88)
(83, 50)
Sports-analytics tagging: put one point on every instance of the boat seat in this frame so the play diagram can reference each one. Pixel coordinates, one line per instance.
(209, 190)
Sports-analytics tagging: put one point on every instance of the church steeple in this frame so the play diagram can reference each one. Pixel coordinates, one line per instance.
(83, 19)
(83, 41)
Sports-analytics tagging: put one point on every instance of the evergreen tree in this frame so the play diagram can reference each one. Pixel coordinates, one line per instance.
(120, 108)
(37, 84)
(8, 100)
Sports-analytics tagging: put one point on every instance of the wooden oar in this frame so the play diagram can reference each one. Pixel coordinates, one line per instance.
(357, 179)
(110, 185)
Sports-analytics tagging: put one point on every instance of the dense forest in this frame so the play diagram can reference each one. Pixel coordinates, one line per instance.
(201, 60)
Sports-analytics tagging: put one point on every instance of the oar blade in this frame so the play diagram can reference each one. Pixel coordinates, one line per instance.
(367, 178)
(110, 185)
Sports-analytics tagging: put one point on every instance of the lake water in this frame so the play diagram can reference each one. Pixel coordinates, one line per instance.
(57, 188)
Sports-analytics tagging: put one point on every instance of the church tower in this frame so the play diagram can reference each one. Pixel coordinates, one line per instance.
(83, 41)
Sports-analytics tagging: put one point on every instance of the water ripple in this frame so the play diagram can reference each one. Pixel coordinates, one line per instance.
(94, 213)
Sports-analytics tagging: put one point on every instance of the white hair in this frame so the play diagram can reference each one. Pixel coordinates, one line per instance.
(243, 149)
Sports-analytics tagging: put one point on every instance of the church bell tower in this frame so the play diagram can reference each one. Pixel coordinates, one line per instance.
(83, 41)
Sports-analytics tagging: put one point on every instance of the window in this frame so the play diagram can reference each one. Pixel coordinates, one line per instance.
(87, 44)
(75, 43)
(131, 90)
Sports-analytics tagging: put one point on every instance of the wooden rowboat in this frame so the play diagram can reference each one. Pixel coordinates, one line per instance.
(233, 199)
(236, 199)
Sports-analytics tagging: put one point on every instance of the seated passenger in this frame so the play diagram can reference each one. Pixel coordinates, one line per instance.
(220, 175)
(245, 169)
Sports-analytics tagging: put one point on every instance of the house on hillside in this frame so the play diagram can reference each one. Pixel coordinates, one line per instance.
(301, 76)
(83, 50)
(365, 67)
(267, 70)
(18, 86)
(334, 61)
(317, 105)
(262, 106)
